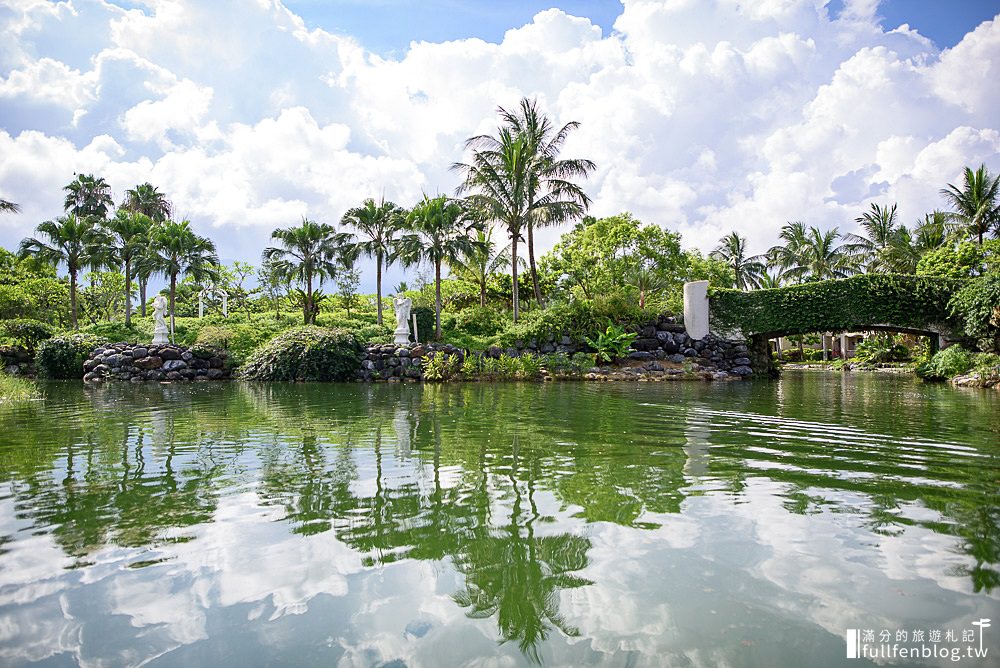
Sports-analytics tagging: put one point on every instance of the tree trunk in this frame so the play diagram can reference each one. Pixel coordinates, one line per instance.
(378, 286)
(513, 273)
(437, 299)
(128, 293)
(482, 294)
(531, 264)
(173, 290)
(72, 297)
(308, 307)
(142, 295)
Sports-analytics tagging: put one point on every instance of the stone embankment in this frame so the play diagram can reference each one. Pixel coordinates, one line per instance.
(391, 362)
(138, 363)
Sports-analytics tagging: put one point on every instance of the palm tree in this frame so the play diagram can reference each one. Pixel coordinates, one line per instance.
(881, 238)
(130, 232)
(310, 252)
(517, 180)
(481, 262)
(88, 195)
(175, 250)
(748, 270)
(73, 240)
(380, 223)
(146, 199)
(977, 204)
(809, 254)
(438, 236)
(9, 207)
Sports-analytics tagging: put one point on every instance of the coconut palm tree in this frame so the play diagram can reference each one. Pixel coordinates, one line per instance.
(379, 223)
(748, 270)
(9, 207)
(73, 240)
(785, 255)
(819, 258)
(516, 179)
(437, 235)
(931, 232)
(481, 262)
(310, 252)
(130, 232)
(976, 206)
(882, 239)
(88, 195)
(146, 199)
(175, 250)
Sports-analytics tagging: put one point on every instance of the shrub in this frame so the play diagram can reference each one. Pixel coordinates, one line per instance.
(441, 366)
(27, 333)
(882, 347)
(425, 322)
(239, 340)
(978, 306)
(947, 363)
(63, 356)
(478, 321)
(613, 343)
(118, 332)
(306, 353)
(986, 364)
(576, 320)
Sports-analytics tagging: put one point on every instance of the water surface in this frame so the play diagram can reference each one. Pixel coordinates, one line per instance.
(744, 524)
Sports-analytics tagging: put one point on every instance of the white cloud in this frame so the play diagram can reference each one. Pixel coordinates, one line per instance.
(703, 117)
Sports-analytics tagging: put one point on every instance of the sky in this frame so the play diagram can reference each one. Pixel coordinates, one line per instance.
(703, 116)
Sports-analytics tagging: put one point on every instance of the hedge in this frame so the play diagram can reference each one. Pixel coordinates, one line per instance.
(838, 305)
(63, 356)
(306, 353)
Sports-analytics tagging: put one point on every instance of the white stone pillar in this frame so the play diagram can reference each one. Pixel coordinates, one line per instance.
(696, 309)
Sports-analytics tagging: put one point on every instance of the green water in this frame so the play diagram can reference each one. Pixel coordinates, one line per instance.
(742, 524)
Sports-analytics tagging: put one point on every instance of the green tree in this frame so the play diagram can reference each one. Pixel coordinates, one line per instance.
(748, 270)
(517, 179)
(437, 235)
(147, 199)
(811, 255)
(480, 263)
(976, 205)
(9, 207)
(347, 288)
(129, 230)
(175, 250)
(878, 249)
(72, 240)
(309, 252)
(30, 288)
(379, 223)
(105, 296)
(965, 260)
(88, 195)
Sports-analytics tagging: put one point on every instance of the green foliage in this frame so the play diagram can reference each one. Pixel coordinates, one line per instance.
(118, 332)
(965, 260)
(881, 347)
(613, 343)
(440, 366)
(576, 320)
(478, 320)
(27, 333)
(29, 289)
(986, 364)
(839, 305)
(15, 390)
(561, 364)
(977, 305)
(506, 367)
(425, 322)
(63, 356)
(104, 298)
(306, 353)
(238, 340)
(952, 361)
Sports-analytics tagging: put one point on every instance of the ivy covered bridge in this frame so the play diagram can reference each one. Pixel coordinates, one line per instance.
(899, 303)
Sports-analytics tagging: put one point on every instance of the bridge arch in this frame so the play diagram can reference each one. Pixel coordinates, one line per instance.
(887, 302)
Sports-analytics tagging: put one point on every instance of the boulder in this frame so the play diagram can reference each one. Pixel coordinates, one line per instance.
(149, 363)
(169, 353)
(174, 365)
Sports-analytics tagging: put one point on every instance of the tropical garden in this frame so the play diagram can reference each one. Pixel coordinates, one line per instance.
(477, 278)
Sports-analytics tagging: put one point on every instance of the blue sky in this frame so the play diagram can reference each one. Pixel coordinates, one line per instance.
(703, 116)
(388, 26)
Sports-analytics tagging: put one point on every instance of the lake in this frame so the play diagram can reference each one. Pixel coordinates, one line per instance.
(570, 524)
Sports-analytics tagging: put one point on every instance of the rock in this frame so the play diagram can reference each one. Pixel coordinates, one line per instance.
(198, 363)
(114, 360)
(169, 353)
(174, 365)
(690, 352)
(742, 371)
(741, 361)
(14, 370)
(418, 351)
(413, 372)
(676, 358)
(640, 355)
(646, 344)
(93, 377)
(216, 362)
(149, 363)
(655, 366)
(648, 332)
(548, 348)
(154, 374)
(139, 352)
(187, 356)
(135, 379)
(402, 352)
(174, 375)
(215, 374)
(565, 341)
(720, 375)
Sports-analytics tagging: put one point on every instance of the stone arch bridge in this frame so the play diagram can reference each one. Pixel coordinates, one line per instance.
(897, 303)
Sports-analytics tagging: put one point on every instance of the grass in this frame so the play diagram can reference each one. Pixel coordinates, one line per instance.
(15, 390)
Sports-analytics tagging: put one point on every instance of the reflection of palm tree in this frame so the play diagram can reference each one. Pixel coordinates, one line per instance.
(516, 576)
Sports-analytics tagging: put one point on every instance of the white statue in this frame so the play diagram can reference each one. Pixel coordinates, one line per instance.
(401, 305)
(160, 330)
